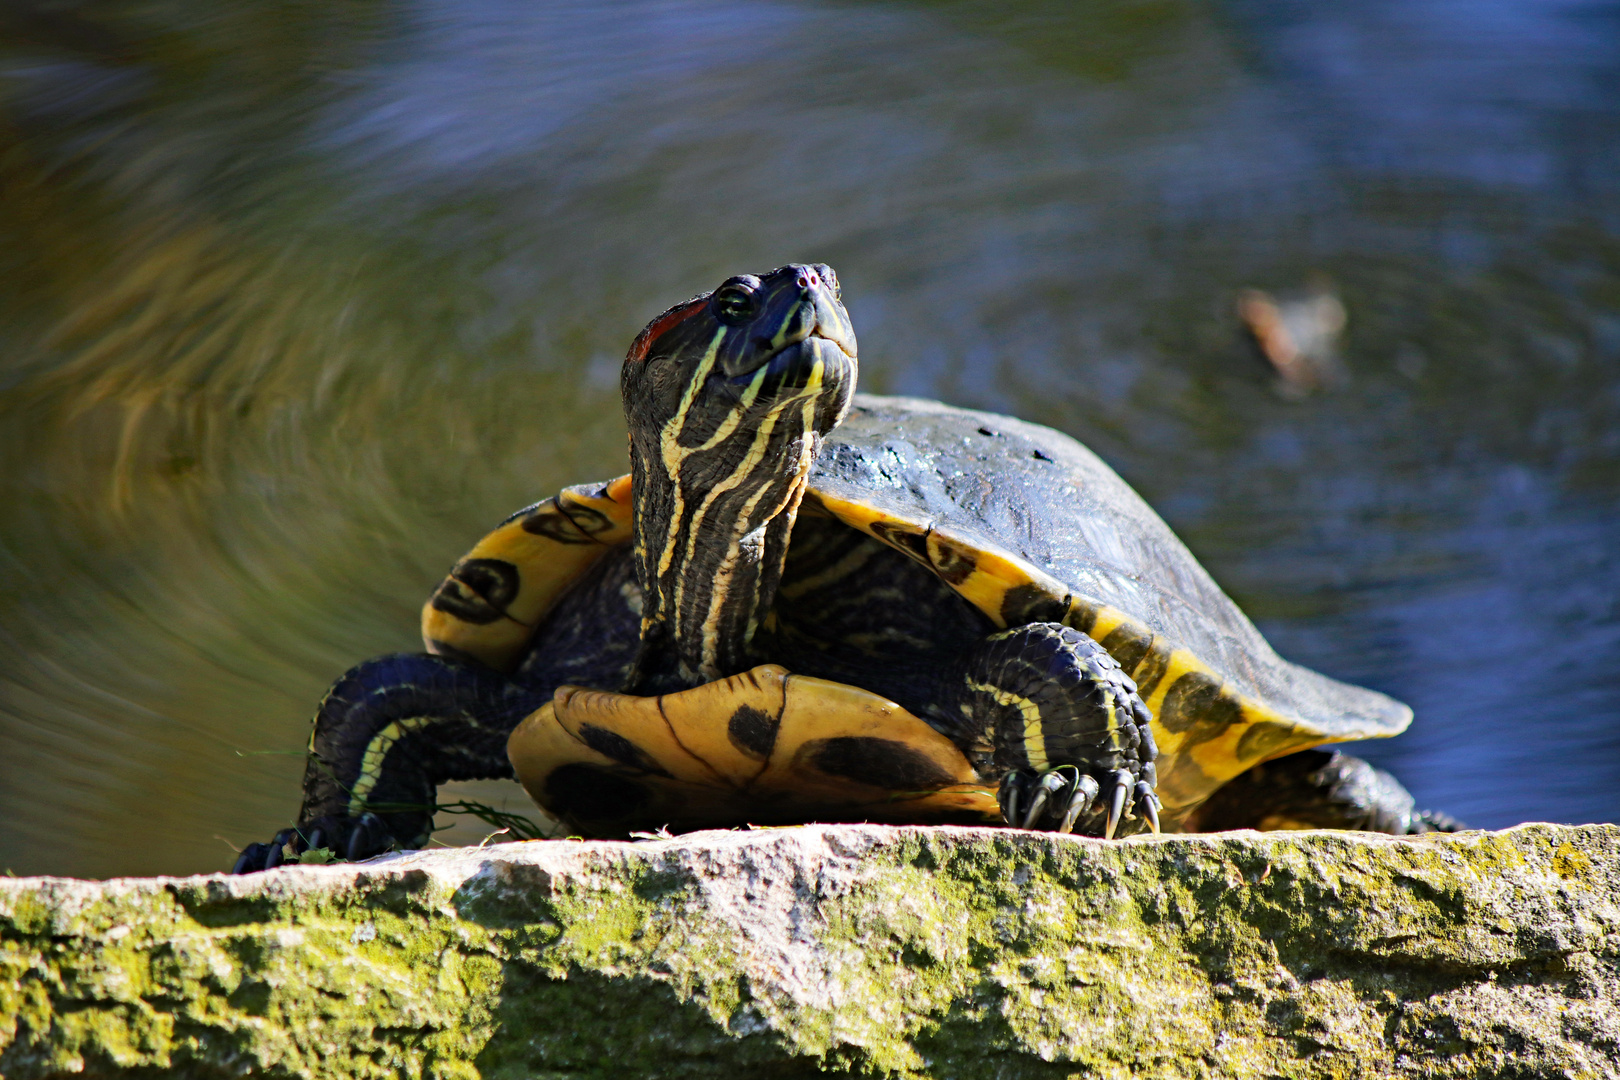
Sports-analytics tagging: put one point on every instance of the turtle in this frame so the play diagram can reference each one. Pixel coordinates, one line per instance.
(807, 604)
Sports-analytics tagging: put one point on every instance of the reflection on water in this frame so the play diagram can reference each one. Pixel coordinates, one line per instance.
(298, 301)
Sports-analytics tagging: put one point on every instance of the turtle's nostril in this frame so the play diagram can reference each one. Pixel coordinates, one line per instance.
(807, 279)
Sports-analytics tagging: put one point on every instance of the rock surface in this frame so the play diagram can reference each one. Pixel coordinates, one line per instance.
(849, 949)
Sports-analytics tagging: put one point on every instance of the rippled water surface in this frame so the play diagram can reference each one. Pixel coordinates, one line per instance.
(296, 300)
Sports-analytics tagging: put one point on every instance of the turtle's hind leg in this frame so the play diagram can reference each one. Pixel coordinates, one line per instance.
(387, 734)
(1045, 709)
(1317, 789)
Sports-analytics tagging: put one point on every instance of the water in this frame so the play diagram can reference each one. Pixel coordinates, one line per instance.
(297, 301)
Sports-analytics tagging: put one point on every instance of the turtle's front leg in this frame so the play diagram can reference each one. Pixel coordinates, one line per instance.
(1045, 709)
(388, 733)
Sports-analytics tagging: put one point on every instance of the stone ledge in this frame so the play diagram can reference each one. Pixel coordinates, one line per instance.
(943, 952)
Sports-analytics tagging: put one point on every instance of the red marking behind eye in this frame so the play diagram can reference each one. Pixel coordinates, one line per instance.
(661, 326)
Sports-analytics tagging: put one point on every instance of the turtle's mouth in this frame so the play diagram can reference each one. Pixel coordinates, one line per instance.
(816, 347)
(812, 315)
(832, 324)
(806, 364)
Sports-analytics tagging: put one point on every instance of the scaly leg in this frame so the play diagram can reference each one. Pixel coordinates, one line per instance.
(386, 736)
(1046, 709)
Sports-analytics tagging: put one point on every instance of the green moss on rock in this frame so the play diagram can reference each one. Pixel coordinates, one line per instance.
(840, 949)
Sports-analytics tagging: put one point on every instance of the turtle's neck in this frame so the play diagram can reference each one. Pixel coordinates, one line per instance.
(727, 398)
(710, 545)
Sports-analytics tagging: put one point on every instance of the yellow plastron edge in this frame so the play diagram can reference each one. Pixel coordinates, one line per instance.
(754, 748)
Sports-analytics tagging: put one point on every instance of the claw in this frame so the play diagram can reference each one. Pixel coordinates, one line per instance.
(1050, 783)
(360, 837)
(1116, 807)
(251, 859)
(1009, 798)
(1148, 803)
(1036, 805)
(1085, 790)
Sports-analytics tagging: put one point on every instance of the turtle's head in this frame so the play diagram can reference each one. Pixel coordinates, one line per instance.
(752, 349)
(727, 397)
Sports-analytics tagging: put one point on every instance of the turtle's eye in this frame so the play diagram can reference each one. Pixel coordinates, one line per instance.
(832, 283)
(734, 305)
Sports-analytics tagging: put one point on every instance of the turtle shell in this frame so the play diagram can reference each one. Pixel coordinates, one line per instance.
(1022, 521)
(1029, 525)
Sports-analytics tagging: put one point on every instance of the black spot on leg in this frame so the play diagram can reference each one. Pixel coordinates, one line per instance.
(613, 745)
(591, 793)
(882, 763)
(752, 731)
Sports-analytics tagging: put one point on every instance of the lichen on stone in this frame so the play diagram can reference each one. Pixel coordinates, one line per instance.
(864, 950)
